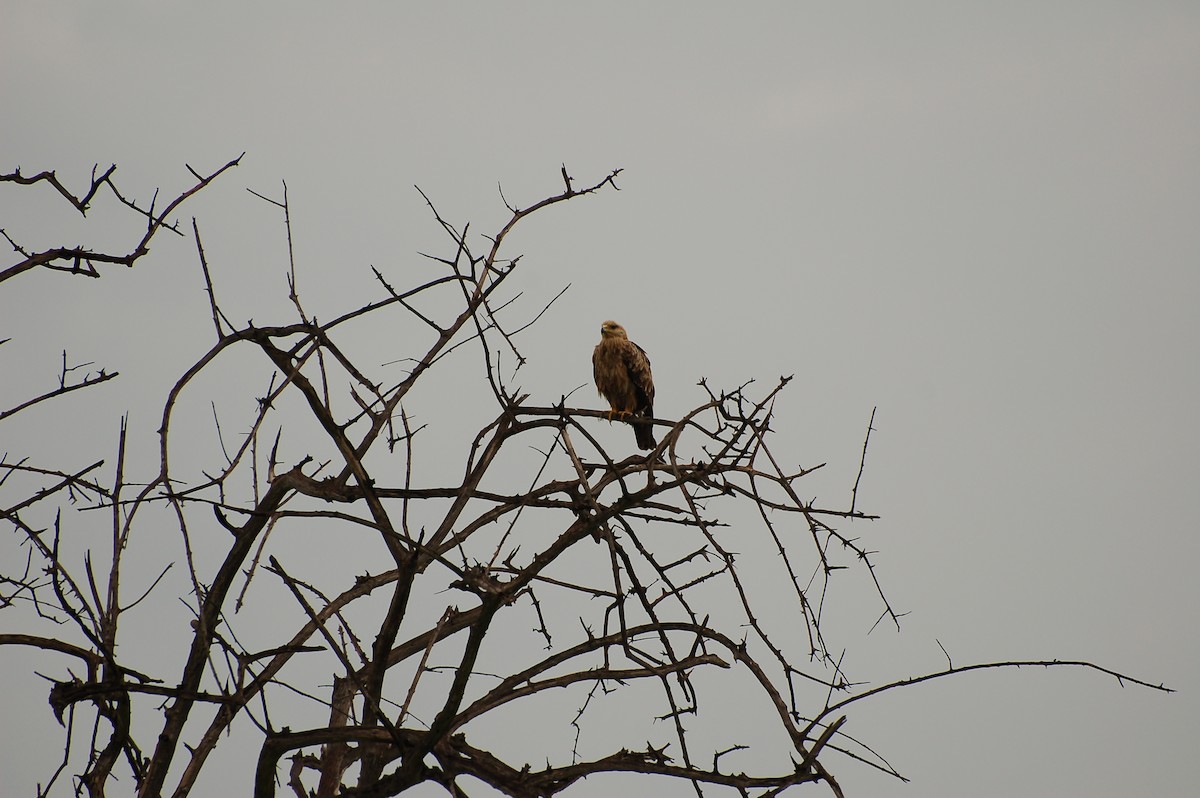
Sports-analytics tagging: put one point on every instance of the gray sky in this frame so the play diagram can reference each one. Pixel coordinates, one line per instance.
(981, 220)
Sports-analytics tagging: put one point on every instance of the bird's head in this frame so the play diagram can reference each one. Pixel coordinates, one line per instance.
(610, 329)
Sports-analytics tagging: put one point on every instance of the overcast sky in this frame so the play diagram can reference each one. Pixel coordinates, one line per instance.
(983, 219)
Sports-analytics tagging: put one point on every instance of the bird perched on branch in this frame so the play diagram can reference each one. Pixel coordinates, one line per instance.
(622, 373)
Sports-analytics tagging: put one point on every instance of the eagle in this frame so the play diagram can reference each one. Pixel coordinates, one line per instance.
(622, 373)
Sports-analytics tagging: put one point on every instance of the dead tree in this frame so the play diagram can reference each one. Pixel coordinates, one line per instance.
(327, 559)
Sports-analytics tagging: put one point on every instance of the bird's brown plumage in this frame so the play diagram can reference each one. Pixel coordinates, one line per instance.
(622, 373)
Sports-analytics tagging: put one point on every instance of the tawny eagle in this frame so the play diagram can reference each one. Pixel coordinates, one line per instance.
(622, 373)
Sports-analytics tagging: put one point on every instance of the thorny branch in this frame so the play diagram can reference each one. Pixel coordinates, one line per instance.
(649, 570)
(81, 260)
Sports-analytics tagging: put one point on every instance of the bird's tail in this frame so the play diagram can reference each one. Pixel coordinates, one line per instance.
(645, 434)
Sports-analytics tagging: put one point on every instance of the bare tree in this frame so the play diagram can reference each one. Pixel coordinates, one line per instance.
(522, 585)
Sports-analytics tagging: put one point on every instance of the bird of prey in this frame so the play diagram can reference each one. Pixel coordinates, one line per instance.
(622, 373)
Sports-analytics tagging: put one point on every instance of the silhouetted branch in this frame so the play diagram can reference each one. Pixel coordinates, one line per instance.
(81, 260)
(510, 562)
